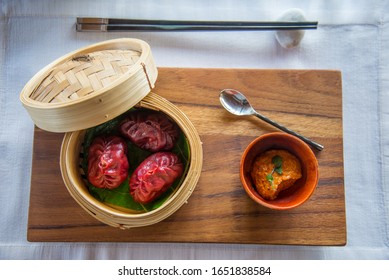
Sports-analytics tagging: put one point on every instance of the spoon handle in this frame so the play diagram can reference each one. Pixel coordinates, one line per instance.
(287, 130)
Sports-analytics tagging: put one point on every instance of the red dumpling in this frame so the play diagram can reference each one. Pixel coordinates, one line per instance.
(154, 176)
(107, 162)
(152, 131)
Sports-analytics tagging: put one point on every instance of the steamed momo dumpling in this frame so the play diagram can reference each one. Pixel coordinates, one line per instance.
(154, 176)
(149, 130)
(107, 162)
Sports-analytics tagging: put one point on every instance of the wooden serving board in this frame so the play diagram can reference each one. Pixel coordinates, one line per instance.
(219, 211)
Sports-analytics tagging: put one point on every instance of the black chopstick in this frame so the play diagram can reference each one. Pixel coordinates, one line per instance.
(106, 24)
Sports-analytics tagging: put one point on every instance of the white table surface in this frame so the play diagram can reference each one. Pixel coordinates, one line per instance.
(352, 37)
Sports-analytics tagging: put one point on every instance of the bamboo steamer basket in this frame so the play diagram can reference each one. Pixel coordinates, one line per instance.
(91, 86)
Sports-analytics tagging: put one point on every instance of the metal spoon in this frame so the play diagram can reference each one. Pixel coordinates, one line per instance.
(236, 103)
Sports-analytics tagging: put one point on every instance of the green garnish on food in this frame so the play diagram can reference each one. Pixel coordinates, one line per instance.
(277, 161)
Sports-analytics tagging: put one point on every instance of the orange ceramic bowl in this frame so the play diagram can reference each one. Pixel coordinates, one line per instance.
(302, 189)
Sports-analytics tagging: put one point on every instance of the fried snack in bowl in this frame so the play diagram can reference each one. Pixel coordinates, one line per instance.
(275, 171)
(281, 153)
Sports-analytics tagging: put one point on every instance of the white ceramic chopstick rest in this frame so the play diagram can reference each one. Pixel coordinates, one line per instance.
(290, 38)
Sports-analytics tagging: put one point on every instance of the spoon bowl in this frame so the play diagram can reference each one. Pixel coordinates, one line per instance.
(236, 103)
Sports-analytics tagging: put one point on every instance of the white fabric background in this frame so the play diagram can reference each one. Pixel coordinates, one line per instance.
(353, 37)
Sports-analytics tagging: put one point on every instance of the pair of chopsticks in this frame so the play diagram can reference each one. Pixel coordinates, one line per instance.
(112, 24)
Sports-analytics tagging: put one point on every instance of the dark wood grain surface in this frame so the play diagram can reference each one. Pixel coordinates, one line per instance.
(219, 211)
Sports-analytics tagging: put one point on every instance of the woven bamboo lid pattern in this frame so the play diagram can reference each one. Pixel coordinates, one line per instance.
(83, 75)
(90, 86)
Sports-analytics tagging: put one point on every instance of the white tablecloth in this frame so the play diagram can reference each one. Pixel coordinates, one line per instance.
(352, 37)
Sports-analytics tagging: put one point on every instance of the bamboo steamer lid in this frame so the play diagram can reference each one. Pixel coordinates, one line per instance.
(90, 86)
